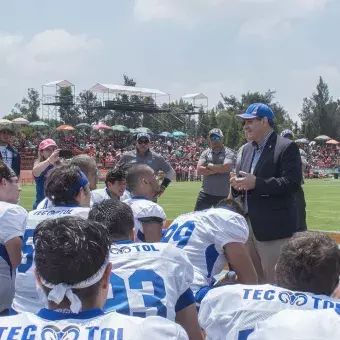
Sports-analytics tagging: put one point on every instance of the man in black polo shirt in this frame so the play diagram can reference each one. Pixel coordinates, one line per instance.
(215, 164)
(143, 155)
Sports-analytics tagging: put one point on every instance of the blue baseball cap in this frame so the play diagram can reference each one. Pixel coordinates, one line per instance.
(287, 132)
(258, 110)
(216, 132)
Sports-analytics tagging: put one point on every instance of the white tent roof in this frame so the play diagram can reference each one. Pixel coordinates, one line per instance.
(130, 89)
(60, 83)
(194, 96)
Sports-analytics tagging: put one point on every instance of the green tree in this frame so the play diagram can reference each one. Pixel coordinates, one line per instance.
(203, 125)
(89, 108)
(68, 112)
(320, 113)
(212, 119)
(28, 108)
(231, 125)
(131, 119)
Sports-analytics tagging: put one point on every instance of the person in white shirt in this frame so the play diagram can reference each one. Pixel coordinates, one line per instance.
(307, 273)
(147, 279)
(13, 219)
(115, 187)
(73, 272)
(68, 189)
(301, 325)
(211, 239)
(149, 216)
(88, 166)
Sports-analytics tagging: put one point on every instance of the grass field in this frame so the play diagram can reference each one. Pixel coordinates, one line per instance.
(322, 196)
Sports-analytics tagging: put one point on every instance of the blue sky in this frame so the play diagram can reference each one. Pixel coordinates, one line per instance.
(178, 46)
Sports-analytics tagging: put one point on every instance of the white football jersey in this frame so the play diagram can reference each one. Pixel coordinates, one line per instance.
(149, 279)
(26, 297)
(46, 203)
(13, 220)
(100, 195)
(88, 325)
(141, 208)
(126, 196)
(231, 312)
(299, 325)
(202, 234)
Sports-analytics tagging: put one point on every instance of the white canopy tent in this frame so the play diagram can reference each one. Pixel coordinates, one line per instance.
(60, 83)
(195, 96)
(139, 91)
(197, 101)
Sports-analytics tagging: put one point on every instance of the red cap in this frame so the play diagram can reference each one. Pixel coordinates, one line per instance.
(46, 143)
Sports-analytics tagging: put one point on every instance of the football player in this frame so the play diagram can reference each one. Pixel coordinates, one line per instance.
(67, 187)
(13, 219)
(211, 238)
(307, 274)
(73, 271)
(115, 187)
(149, 216)
(149, 278)
(298, 324)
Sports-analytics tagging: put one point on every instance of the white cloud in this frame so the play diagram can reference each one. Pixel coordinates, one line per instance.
(47, 56)
(262, 18)
(51, 51)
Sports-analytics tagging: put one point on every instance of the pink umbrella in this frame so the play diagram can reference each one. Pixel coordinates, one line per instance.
(101, 127)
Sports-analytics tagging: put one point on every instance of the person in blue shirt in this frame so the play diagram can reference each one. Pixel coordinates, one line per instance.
(48, 157)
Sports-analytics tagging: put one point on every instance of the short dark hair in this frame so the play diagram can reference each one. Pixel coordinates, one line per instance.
(116, 215)
(60, 183)
(309, 262)
(5, 171)
(232, 204)
(70, 250)
(134, 173)
(83, 162)
(114, 175)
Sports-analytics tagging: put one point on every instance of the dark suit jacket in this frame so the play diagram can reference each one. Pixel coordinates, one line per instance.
(272, 206)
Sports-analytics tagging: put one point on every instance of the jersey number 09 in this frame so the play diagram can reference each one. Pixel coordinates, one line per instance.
(179, 233)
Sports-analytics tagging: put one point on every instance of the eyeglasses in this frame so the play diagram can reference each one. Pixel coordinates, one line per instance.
(215, 138)
(143, 141)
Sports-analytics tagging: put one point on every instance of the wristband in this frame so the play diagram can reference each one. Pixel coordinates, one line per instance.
(166, 182)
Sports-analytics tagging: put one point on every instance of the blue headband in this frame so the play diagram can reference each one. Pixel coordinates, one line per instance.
(82, 182)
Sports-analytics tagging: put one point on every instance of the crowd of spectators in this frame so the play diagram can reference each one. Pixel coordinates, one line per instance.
(107, 149)
(182, 154)
(324, 156)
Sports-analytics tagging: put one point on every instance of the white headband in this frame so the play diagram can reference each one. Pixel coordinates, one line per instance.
(61, 290)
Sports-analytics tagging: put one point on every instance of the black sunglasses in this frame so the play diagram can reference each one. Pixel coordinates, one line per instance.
(143, 141)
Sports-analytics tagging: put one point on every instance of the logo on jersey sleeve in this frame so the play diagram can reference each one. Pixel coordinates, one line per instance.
(298, 299)
(122, 250)
(52, 332)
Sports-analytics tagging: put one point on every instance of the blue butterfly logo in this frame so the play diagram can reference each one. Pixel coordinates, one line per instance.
(52, 332)
(298, 299)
